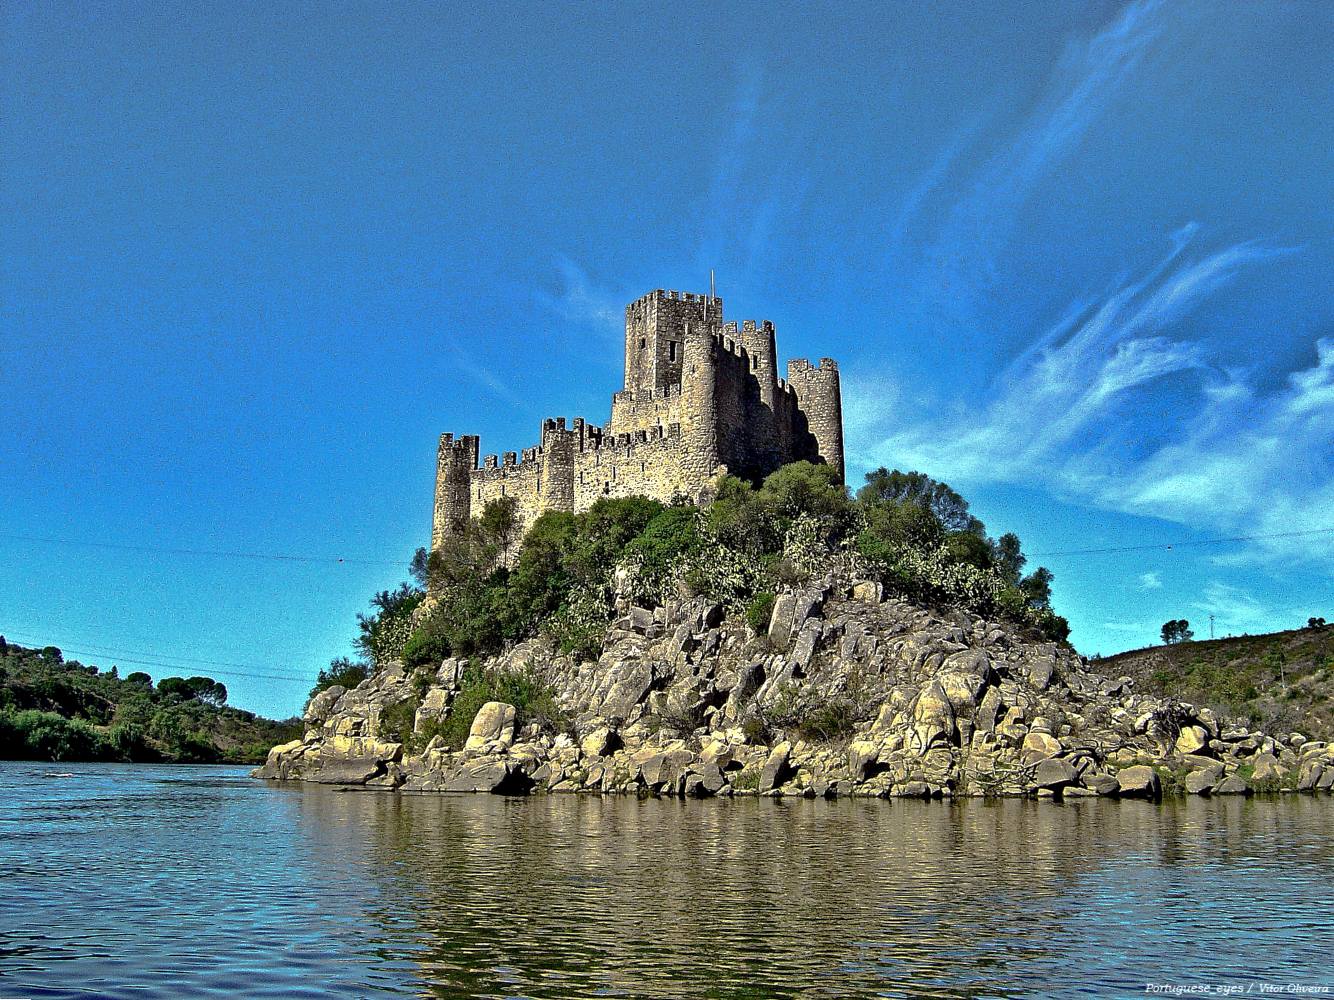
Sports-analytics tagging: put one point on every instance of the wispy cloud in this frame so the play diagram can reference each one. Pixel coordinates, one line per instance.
(1084, 84)
(1229, 455)
(480, 375)
(752, 188)
(581, 303)
(1152, 580)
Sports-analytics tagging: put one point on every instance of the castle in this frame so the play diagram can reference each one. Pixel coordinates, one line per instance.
(701, 398)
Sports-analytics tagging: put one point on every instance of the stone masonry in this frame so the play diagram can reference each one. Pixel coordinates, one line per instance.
(702, 398)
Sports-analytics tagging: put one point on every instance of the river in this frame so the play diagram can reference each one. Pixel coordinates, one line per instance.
(146, 881)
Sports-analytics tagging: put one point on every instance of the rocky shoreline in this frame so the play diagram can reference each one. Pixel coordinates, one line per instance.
(847, 694)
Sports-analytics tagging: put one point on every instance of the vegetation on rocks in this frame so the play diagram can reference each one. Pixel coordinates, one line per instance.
(906, 530)
(57, 709)
(785, 639)
(1282, 681)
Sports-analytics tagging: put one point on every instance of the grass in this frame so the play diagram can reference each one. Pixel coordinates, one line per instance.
(1278, 681)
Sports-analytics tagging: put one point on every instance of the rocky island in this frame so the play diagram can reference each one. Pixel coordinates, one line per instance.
(687, 601)
(942, 704)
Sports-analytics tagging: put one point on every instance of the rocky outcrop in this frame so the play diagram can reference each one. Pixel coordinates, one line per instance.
(847, 693)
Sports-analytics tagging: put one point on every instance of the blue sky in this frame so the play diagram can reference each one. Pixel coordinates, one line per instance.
(1073, 258)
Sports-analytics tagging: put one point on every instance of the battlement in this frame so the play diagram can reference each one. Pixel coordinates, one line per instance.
(802, 366)
(667, 392)
(659, 295)
(701, 397)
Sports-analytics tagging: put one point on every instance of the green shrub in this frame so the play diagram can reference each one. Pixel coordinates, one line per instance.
(396, 720)
(37, 735)
(383, 633)
(759, 611)
(342, 671)
(533, 701)
(830, 721)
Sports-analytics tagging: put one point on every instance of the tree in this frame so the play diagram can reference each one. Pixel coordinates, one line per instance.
(1177, 630)
(500, 524)
(950, 509)
(139, 677)
(175, 687)
(1316, 623)
(207, 690)
(1037, 588)
(1007, 558)
(805, 488)
(384, 632)
(204, 689)
(342, 671)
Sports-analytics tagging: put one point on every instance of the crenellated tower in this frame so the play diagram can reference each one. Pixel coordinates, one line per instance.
(655, 328)
(702, 397)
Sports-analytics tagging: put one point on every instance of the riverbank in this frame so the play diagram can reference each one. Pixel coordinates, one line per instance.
(843, 693)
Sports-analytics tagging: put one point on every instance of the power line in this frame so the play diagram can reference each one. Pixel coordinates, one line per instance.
(359, 561)
(85, 651)
(210, 553)
(1181, 545)
(97, 649)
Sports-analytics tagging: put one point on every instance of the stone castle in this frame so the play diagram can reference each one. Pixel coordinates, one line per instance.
(702, 398)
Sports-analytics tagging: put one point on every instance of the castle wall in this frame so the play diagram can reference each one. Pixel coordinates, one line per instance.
(654, 465)
(655, 329)
(701, 397)
(645, 409)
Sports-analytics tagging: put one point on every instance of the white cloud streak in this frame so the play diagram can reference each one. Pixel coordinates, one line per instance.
(1232, 457)
(1083, 85)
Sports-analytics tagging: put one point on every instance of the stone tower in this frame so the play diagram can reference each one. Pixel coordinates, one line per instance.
(702, 397)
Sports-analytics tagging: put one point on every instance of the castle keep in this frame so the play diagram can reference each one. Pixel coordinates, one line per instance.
(702, 397)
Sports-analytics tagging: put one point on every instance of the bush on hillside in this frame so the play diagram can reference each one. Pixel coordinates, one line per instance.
(909, 531)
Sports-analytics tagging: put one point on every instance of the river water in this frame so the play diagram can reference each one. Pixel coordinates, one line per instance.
(141, 881)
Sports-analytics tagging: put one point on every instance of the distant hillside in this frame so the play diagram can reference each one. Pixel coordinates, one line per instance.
(54, 709)
(1281, 681)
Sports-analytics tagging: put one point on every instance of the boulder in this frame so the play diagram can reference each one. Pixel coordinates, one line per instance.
(450, 673)
(434, 707)
(807, 639)
(494, 722)
(1041, 671)
(780, 620)
(1040, 742)
(1266, 768)
(490, 774)
(338, 770)
(1101, 782)
(776, 768)
(1054, 773)
(933, 717)
(1234, 785)
(662, 770)
(629, 680)
(320, 708)
(1308, 779)
(868, 591)
(711, 780)
(600, 742)
(1139, 782)
(1192, 739)
(1204, 781)
(862, 755)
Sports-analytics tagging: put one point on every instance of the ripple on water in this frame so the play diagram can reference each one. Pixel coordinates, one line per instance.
(195, 882)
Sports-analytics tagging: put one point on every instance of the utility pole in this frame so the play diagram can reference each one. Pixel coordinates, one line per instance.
(1211, 626)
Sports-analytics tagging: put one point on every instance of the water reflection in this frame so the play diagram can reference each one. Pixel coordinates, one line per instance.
(558, 897)
(171, 882)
